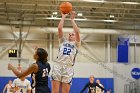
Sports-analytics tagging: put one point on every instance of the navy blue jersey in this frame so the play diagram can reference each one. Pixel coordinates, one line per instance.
(92, 87)
(40, 78)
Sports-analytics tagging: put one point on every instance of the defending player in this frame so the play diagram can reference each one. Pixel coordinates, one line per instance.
(91, 85)
(40, 70)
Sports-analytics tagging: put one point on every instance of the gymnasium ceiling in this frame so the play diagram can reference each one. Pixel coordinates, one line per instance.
(96, 14)
(28, 20)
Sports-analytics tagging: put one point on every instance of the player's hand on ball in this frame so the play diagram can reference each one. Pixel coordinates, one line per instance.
(72, 14)
(64, 15)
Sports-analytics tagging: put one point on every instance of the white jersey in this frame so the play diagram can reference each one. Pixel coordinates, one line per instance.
(9, 87)
(24, 86)
(98, 90)
(67, 52)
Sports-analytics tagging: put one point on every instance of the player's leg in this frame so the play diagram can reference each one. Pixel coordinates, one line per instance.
(67, 79)
(55, 86)
(65, 87)
(56, 78)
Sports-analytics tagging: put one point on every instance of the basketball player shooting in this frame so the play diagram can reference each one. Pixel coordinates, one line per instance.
(63, 72)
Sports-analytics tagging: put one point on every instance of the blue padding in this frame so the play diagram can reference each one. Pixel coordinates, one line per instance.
(123, 53)
(77, 83)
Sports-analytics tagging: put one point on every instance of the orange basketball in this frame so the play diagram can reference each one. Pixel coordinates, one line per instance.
(65, 7)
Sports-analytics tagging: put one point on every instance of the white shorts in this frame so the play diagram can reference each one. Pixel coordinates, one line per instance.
(62, 73)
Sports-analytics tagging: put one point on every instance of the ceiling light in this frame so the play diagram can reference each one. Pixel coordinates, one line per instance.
(96, 1)
(79, 14)
(130, 3)
(53, 18)
(111, 16)
(110, 21)
(55, 13)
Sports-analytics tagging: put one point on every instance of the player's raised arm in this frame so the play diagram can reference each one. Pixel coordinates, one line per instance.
(75, 27)
(60, 26)
(31, 69)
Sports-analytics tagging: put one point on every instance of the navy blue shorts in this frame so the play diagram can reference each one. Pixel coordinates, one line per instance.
(42, 90)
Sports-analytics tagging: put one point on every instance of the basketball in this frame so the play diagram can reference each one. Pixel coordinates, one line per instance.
(65, 7)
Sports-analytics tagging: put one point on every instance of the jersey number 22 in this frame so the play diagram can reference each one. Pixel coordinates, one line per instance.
(66, 51)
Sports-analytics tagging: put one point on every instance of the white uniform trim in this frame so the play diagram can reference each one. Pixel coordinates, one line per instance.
(23, 85)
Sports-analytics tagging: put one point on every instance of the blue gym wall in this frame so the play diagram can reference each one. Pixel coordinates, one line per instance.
(77, 83)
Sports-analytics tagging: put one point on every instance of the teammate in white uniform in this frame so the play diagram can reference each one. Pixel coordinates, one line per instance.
(99, 90)
(63, 72)
(22, 85)
(8, 87)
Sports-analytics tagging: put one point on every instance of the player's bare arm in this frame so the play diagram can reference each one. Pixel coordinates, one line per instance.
(31, 69)
(60, 26)
(75, 27)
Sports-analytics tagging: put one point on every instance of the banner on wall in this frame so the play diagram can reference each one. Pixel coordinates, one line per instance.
(123, 50)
